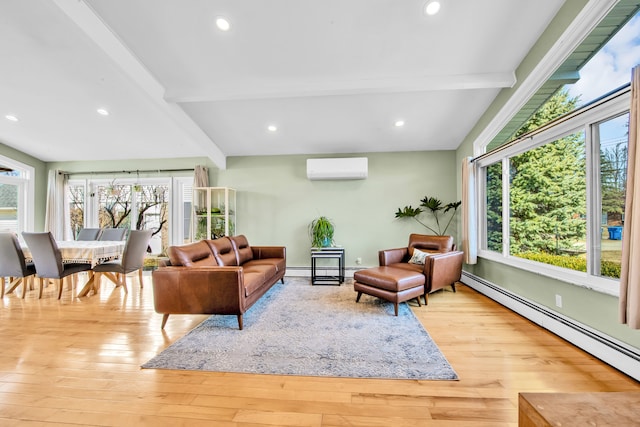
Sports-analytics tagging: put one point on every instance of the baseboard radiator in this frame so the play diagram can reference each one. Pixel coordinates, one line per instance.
(611, 351)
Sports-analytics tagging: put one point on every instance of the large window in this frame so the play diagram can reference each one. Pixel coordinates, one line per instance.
(140, 204)
(16, 196)
(553, 201)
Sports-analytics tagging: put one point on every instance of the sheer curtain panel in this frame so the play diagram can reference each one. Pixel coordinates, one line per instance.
(630, 273)
(469, 221)
(56, 206)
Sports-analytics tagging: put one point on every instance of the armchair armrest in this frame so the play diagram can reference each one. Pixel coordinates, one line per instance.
(392, 256)
(262, 252)
(198, 290)
(442, 269)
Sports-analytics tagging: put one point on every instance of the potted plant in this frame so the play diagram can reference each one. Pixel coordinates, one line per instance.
(433, 205)
(321, 232)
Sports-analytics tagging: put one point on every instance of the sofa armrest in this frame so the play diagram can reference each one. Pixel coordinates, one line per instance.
(199, 290)
(262, 252)
(442, 269)
(392, 256)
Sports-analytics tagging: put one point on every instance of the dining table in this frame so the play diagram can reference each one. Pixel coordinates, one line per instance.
(85, 252)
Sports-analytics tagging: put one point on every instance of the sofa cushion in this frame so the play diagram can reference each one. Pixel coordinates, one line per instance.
(196, 254)
(242, 248)
(222, 249)
(278, 263)
(257, 276)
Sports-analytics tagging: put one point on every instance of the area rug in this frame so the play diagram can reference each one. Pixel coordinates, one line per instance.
(300, 329)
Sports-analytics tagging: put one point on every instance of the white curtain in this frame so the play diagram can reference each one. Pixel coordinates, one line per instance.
(57, 206)
(630, 272)
(200, 176)
(200, 179)
(469, 217)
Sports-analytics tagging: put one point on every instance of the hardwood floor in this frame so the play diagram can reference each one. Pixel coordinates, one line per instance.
(77, 362)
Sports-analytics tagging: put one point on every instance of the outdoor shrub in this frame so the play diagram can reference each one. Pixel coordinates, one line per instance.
(565, 261)
(607, 268)
(610, 269)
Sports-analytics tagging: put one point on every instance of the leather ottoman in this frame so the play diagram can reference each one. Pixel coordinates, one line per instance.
(395, 285)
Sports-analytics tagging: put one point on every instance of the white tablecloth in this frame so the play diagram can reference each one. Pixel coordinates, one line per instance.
(85, 252)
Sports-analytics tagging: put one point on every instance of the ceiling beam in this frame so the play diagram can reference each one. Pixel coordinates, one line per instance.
(91, 24)
(301, 88)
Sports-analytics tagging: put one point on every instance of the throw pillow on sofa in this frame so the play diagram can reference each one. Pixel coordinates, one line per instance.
(418, 257)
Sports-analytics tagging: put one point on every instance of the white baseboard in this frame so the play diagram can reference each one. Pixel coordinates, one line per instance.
(608, 349)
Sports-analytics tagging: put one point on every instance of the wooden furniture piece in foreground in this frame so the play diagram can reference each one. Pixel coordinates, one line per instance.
(609, 409)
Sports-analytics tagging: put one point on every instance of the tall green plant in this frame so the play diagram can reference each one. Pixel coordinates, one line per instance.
(437, 210)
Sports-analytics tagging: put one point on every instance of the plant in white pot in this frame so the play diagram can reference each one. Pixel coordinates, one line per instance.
(321, 232)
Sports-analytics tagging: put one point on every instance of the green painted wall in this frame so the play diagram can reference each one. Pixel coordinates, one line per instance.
(276, 201)
(594, 309)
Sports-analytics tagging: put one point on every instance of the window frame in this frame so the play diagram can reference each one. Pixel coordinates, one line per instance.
(586, 119)
(26, 192)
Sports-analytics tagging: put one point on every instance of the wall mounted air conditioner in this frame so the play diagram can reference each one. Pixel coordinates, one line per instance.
(338, 168)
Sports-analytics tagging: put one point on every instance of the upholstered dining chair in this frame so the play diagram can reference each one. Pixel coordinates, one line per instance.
(12, 264)
(132, 259)
(48, 260)
(113, 234)
(89, 234)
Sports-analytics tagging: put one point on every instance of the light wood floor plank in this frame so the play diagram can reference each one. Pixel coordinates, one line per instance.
(77, 362)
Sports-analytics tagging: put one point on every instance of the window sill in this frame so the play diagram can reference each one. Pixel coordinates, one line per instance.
(577, 278)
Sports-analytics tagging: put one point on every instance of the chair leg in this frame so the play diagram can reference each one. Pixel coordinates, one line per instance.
(453, 286)
(41, 280)
(426, 299)
(165, 317)
(358, 297)
(2, 279)
(240, 325)
(13, 284)
(140, 278)
(60, 283)
(25, 282)
(419, 303)
(123, 278)
(395, 308)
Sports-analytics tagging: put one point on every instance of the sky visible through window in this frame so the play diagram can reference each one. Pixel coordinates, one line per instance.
(608, 70)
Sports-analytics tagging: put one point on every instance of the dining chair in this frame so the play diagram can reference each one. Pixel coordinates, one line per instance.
(12, 264)
(89, 234)
(132, 259)
(113, 234)
(48, 260)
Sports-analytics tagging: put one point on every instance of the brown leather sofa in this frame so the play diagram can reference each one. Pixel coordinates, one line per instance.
(222, 276)
(442, 267)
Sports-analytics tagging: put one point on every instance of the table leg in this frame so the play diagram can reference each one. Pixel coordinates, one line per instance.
(88, 286)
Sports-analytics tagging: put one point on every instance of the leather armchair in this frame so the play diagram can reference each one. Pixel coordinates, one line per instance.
(442, 267)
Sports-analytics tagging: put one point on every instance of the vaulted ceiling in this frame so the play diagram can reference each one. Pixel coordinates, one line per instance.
(332, 76)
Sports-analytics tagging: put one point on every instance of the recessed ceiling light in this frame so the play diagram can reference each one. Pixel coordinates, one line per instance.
(399, 123)
(272, 128)
(223, 23)
(432, 7)
(11, 118)
(102, 112)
